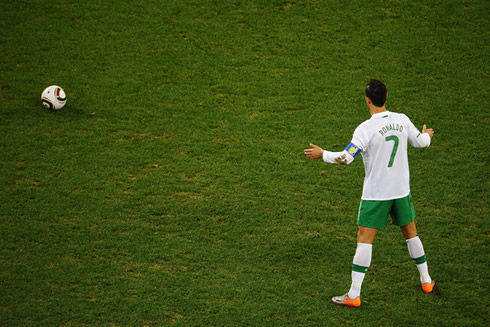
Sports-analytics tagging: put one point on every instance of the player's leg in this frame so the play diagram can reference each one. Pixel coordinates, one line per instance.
(362, 259)
(360, 265)
(366, 234)
(372, 216)
(403, 214)
(417, 253)
(409, 230)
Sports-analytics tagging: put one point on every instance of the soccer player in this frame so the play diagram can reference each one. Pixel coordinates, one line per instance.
(382, 141)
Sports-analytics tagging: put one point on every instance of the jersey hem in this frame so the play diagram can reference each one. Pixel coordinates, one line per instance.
(384, 199)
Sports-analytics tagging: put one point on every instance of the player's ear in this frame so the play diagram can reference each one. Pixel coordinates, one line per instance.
(368, 101)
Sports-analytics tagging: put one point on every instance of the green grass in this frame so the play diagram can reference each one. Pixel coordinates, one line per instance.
(172, 188)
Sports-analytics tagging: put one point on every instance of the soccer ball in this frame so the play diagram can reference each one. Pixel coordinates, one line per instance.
(53, 97)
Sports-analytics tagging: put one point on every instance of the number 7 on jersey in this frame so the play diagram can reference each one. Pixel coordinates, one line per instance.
(393, 138)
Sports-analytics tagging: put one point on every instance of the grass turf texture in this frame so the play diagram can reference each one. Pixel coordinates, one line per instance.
(172, 188)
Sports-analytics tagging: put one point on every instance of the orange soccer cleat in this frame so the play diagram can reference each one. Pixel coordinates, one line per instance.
(428, 287)
(345, 300)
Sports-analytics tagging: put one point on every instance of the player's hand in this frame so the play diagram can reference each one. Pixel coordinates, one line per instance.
(315, 152)
(429, 131)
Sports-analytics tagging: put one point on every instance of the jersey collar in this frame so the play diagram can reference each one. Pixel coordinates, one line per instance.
(381, 114)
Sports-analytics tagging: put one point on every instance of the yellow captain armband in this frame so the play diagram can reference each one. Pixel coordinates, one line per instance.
(352, 149)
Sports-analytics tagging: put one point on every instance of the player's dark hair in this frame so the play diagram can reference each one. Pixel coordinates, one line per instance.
(376, 91)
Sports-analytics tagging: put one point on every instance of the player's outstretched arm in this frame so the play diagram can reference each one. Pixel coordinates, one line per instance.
(341, 158)
(429, 131)
(420, 139)
(315, 152)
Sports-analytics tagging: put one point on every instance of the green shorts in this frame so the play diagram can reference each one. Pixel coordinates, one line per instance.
(374, 214)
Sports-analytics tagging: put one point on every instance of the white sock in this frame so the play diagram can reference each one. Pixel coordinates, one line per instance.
(360, 265)
(416, 250)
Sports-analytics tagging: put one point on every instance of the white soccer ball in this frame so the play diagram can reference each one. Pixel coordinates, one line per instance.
(53, 97)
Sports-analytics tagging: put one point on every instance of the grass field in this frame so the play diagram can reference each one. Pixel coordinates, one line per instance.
(172, 189)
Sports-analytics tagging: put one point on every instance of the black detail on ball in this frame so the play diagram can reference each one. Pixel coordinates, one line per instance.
(57, 93)
(48, 104)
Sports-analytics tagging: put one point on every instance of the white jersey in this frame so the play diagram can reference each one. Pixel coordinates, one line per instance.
(382, 141)
(383, 144)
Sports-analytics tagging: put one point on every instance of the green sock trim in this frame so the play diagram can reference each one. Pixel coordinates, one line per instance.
(360, 269)
(420, 260)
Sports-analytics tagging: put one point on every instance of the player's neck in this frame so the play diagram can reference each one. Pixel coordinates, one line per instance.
(374, 110)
